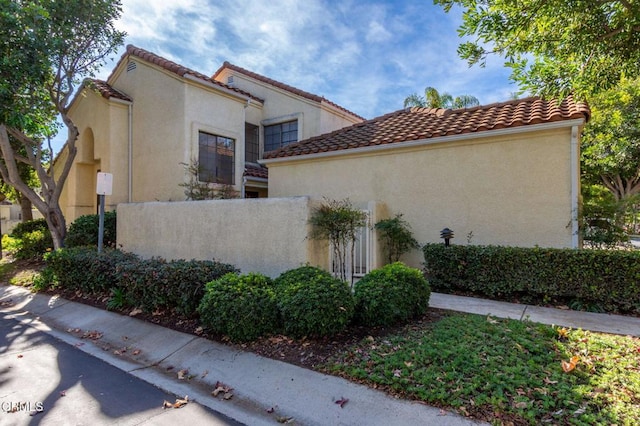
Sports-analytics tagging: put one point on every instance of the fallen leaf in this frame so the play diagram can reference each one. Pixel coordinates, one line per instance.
(397, 373)
(182, 374)
(224, 389)
(178, 404)
(549, 381)
(136, 352)
(199, 330)
(20, 356)
(92, 335)
(408, 363)
(63, 393)
(491, 320)
(204, 374)
(77, 345)
(522, 405)
(342, 401)
(135, 312)
(284, 419)
(571, 364)
(563, 333)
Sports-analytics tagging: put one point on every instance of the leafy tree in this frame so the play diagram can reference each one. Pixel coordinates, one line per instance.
(611, 140)
(434, 99)
(46, 47)
(554, 47)
(397, 237)
(338, 222)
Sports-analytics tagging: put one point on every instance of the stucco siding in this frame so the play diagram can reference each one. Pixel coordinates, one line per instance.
(510, 190)
(261, 235)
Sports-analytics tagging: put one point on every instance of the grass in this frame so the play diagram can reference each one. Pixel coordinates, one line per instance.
(504, 371)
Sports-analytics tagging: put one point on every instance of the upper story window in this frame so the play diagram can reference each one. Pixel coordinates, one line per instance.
(216, 159)
(279, 135)
(251, 143)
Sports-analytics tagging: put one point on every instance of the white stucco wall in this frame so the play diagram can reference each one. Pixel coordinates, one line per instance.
(256, 235)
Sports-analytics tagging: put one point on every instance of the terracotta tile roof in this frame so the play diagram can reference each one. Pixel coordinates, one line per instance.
(423, 123)
(176, 68)
(296, 91)
(256, 171)
(105, 89)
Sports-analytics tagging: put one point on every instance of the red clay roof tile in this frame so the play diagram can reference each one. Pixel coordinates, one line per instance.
(256, 171)
(177, 69)
(424, 123)
(105, 89)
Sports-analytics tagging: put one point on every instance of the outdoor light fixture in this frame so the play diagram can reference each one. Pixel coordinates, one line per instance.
(446, 234)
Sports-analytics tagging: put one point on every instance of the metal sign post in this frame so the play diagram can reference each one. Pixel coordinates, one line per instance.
(103, 188)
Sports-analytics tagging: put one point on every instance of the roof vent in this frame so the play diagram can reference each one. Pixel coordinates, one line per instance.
(230, 81)
(131, 66)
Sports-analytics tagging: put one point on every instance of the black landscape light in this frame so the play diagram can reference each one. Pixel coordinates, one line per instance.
(446, 234)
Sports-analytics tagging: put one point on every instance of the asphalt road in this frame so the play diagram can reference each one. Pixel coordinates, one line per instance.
(44, 381)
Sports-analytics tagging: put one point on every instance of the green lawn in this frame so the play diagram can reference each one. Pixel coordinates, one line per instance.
(504, 370)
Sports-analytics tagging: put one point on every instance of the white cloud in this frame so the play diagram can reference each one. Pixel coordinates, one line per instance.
(366, 56)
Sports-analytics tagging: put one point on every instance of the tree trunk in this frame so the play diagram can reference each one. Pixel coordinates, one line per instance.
(57, 227)
(26, 208)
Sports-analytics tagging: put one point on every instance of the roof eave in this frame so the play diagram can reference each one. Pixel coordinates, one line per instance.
(427, 141)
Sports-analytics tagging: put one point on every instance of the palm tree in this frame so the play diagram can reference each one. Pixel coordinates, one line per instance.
(434, 99)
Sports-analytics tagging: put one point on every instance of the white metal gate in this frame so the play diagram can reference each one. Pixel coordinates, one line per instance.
(360, 264)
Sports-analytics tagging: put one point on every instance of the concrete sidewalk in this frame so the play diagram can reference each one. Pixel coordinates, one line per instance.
(265, 391)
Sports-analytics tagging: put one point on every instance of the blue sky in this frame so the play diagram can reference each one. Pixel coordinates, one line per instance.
(366, 56)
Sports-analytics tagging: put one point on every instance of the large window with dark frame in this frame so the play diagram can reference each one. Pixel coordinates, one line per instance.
(251, 143)
(216, 156)
(279, 135)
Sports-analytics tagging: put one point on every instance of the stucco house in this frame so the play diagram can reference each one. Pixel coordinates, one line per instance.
(152, 117)
(505, 173)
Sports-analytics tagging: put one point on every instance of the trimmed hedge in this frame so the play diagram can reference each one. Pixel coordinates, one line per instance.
(313, 303)
(241, 307)
(156, 284)
(609, 279)
(84, 269)
(151, 285)
(391, 294)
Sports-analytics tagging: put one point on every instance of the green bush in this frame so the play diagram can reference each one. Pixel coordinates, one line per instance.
(84, 269)
(179, 285)
(29, 240)
(241, 307)
(609, 279)
(313, 303)
(85, 229)
(391, 294)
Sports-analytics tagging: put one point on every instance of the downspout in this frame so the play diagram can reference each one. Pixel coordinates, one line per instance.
(130, 159)
(575, 187)
(244, 178)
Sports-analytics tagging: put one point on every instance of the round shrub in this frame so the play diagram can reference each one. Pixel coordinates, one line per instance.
(85, 229)
(390, 295)
(313, 303)
(241, 307)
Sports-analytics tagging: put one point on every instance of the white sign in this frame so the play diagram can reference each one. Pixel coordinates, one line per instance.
(105, 183)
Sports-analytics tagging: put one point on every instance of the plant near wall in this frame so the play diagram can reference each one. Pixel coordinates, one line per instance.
(396, 236)
(338, 221)
(194, 189)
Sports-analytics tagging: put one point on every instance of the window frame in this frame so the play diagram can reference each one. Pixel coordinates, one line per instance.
(215, 169)
(268, 146)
